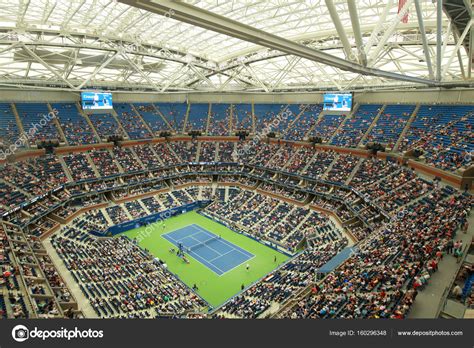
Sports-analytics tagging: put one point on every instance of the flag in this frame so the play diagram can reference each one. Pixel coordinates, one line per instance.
(401, 4)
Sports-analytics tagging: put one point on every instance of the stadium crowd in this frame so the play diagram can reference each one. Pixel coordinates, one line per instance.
(285, 195)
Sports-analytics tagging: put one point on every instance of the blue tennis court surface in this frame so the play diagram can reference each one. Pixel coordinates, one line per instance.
(215, 253)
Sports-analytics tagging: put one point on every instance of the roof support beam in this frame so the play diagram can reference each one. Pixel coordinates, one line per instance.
(115, 18)
(203, 77)
(139, 70)
(240, 77)
(47, 66)
(340, 29)
(461, 65)
(10, 47)
(460, 61)
(439, 29)
(249, 68)
(232, 76)
(329, 76)
(471, 53)
(97, 69)
(70, 66)
(71, 16)
(24, 8)
(154, 52)
(389, 31)
(91, 16)
(468, 4)
(47, 12)
(379, 26)
(446, 38)
(469, 7)
(424, 40)
(458, 44)
(27, 72)
(291, 64)
(174, 77)
(210, 21)
(357, 33)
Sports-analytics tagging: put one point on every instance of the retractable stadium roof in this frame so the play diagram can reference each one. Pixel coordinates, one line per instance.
(226, 46)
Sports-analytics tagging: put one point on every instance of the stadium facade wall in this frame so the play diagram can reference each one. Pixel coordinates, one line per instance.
(465, 96)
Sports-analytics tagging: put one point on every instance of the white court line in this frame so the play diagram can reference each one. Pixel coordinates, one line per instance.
(237, 266)
(229, 244)
(182, 228)
(170, 238)
(202, 260)
(221, 256)
(191, 237)
(248, 255)
(233, 246)
(205, 262)
(181, 239)
(197, 240)
(200, 229)
(205, 232)
(174, 240)
(207, 246)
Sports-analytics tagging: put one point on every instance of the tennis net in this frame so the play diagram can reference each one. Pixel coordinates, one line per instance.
(199, 245)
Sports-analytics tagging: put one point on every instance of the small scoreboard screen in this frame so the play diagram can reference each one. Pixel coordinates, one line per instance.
(338, 102)
(96, 101)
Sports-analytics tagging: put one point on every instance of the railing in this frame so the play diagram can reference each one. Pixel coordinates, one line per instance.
(445, 297)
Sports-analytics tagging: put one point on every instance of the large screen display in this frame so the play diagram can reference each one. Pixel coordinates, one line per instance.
(338, 102)
(96, 100)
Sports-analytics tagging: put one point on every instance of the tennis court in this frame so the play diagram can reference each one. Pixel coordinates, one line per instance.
(213, 286)
(209, 249)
